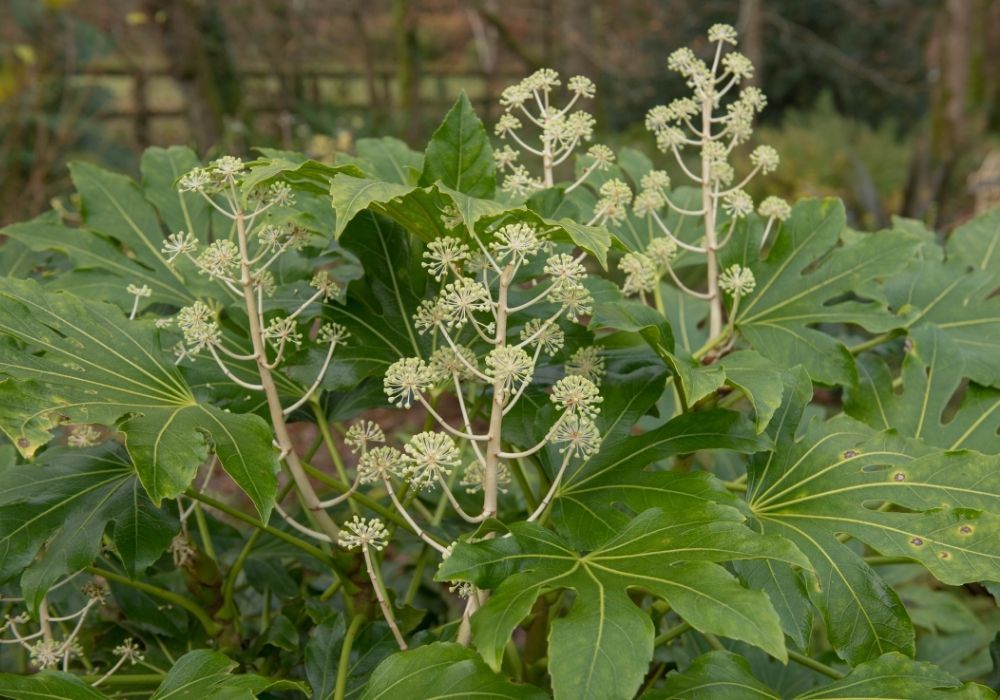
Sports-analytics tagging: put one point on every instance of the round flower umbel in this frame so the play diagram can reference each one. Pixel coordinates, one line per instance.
(578, 434)
(199, 326)
(380, 463)
(509, 366)
(519, 242)
(775, 208)
(283, 330)
(362, 434)
(360, 533)
(737, 280)
(429, 457)
(179, 243)
(461, 299)
(447, 362)
(472, 478)
(83, 436)
(588, 363)
(444, 255)
(641, 275)
(549, 336)
(129, 651)
(576, 394)
(219, 259)
(406, 379)
(565, 271)
(46, 654)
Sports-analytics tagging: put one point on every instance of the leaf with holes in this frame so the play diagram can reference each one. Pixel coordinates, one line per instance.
(603, 645)
(932, 375)
(64, 359)
(842, 478)
(801, 284)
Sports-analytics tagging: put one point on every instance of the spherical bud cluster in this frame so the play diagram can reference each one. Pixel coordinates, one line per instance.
(765, 158)
(283, 330)
(548, 336)
(379, 464)
(181, 550)
(130, 651)
(776, 208)
(46, 653)
(507, 124)
(601, 155)
(648, 202)
(430, 313)
(616, 195)
(722, 32)
(565, 271)
(142, 292)
(460, 299)
(362, 434)
(737, 65)
(447, 363)
(332, 334)
(505, 157)
(520, 183)
(199, 326)
(83, 436)
(578, 434)
(264, 281)
(179, 243)
(451, 217)
(508, 366)
(582, 86)
(472, 478)
(737, 280)
(586, 362)
(662, 252)
(577, 394)
(96, 591)
(429, 458)
(641, 274)
(219, 258)
(444, 255)
(516, 241)
(322, 283)
(576, 300)
(406, 379)
(737, 204)
(359, 533)
(655, 180)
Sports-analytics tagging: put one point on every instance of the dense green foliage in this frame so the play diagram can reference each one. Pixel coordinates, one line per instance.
(803, 502)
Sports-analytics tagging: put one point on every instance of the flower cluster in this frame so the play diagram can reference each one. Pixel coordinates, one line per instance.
(557, 131)
(359, 533)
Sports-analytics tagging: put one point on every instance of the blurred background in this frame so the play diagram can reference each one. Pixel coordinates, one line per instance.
(893, 105)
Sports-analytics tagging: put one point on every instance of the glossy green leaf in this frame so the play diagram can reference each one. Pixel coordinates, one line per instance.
(459, 154)
(180, 211)
(977, 243)
(587, 502)
(391, 159)
(442, 670)
(47, 685)
(201, 674)
(960, 303)
(832, 480)
(932, 374)
(801, 281)
(87, 363)
(352, 195)
(603, 645)
(61, 506)
(717, 675)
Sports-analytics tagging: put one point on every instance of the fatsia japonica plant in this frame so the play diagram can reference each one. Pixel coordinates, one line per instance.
(521, 419)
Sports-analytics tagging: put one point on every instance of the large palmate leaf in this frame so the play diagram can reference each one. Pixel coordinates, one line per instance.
(802, 282)
(977, 243)
(65, 359)
(442, 671)
(204, 674)
(54, 685)
(932, 373)
(941, 509)
(65, 502)
(601, 648)
(459, 154)
(588, 503)
(390, 159)
(961, 303)
(721, 675)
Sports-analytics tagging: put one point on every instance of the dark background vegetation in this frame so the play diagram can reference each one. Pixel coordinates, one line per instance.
(891, 104)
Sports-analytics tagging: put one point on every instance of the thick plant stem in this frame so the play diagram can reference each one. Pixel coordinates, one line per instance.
(496, 408)
(711, 242)
(383, 600)
(344, 663)
(284, 440)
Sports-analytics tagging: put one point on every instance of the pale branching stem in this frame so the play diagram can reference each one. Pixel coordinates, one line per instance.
(447, 426)
(708, 203)
(732, 314)
(461, 357)
(684, 167)
(305, 304)
(464, 636)
(18, 639)
(465, 418)
(457, 506)
(525, 146)
(485, 251)
(235, 355)
(552, 489)
(232, 377)
(547, 162)
(232, 287)
(315, 385)
(544, 441)
(729, 85)
(417, 530)
(497, 403)
(686, 289)
(186, 513)
(282, 437)
(479, 331)
(382, 598)
(68, 641)
(579, 181)
(729, 234)
(534, 120)
(520, 390)
(767, 232)
(330, 503)
(135, 308)
(681, 210)
(279, 356)
(111, 671)
(567, 153)
(569, 105)
(675, 239)
(227, 214)
(309, 532)
(743, 182)
(43, 619)
(531, 302)
(541, 329)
